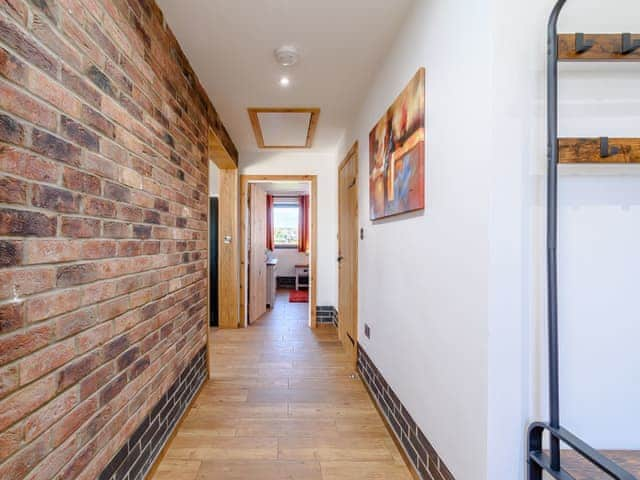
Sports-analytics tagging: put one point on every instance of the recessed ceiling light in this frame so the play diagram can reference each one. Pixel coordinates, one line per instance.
(284, 81)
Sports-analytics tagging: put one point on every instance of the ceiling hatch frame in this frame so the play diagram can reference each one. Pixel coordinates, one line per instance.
(257, 129)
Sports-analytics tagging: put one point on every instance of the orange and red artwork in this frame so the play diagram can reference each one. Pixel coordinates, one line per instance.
(396, 154)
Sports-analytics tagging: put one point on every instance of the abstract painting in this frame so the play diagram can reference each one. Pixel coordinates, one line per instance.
(396, 154)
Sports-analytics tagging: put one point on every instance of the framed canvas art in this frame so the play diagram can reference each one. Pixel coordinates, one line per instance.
(396, 154)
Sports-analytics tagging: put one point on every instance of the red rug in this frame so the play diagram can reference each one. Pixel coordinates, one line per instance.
(299, 296)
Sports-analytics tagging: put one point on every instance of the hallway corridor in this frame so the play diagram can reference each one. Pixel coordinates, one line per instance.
(282, 405)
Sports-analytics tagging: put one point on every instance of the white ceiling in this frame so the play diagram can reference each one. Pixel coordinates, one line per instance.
(284, 188)
(230, 45)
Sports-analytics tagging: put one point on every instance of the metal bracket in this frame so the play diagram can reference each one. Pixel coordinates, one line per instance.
(629, 45)
(605, 150)
(582, 45)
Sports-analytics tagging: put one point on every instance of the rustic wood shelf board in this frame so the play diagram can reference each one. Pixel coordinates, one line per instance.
(607, 47)
(587, 150)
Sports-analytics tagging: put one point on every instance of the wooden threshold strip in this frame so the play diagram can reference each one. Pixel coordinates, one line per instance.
(587, 150)
(607, 47)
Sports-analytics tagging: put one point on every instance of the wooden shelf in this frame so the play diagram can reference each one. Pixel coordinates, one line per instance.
(606, 48)
(587, 150)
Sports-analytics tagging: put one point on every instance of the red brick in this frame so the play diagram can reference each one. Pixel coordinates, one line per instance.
(25, 282)
(130, 213)
(97, 121)
(17, 9)
(130, 248)
(11, 67)
(21, 464)
(117, 230)
(57, 303)
(19, 344)
(115, 347)
(46, 360)
(113, 308)
(73, 420)
(75, 322)
(48, 251)
(55, 148)
(10, 253)
(9, 380)
(11, 317)
(27, 165)
(99, 165)
(77, 370)
(13, 190)
(27, 107)
(77, 84)
(55, 41)
(79, 134)
(78, 274)
(52, 198)
(28, 399)
(11, 131)
(49, 90)
(90, 339)
(10, 441)
(98, 249)
(98, 292)
(26, 223)
(49, 8)
(81, 182)
(77, 227)
(96, 380)
(18, 41)
(127, 358)
(117, 192)
(39, 421)
(99, 207)
(55, 461)
(113, 388)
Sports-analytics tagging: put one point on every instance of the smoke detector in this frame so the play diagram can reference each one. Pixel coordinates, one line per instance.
(286, 56)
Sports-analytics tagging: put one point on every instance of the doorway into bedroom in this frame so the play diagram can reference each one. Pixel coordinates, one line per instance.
(278, 239)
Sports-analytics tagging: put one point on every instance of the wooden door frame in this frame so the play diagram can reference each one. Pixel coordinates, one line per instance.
(245, 180)
(353, 152)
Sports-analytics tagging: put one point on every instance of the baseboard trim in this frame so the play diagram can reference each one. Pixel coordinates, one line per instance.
(414, 445)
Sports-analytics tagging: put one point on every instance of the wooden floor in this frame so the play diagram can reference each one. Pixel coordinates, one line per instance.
(282, 405)
(580, 469)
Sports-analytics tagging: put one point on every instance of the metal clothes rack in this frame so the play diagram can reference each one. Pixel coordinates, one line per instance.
(573, 47)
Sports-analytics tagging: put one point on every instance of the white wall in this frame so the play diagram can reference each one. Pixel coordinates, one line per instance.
(423, 276)
(288, 258)
(214, 179)
(306, 163)
(599, 233)
(463, 285)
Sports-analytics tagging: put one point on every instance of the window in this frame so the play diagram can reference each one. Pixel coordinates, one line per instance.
(285, 225)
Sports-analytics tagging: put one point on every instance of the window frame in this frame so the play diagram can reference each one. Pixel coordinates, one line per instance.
(286, 246)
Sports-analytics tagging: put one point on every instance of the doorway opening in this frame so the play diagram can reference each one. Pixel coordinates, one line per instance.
(278, 239)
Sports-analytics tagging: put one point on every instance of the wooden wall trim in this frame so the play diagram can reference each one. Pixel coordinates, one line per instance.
(228, 253)
(244, 189)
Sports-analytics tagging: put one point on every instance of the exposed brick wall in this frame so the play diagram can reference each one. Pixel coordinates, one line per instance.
(103, 228)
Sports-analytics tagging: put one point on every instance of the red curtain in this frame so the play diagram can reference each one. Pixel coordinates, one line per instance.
(303, 224)
(270, 222)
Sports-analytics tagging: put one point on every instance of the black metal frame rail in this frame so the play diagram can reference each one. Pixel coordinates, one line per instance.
(538, 460)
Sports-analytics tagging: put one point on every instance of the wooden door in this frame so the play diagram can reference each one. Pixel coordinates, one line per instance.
(348, 252)
(257, 252)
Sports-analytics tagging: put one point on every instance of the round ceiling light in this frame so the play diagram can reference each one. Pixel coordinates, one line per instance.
(286, 56)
